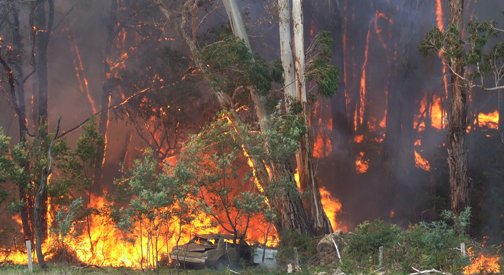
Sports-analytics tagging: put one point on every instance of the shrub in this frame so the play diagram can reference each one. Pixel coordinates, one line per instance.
(423, 246)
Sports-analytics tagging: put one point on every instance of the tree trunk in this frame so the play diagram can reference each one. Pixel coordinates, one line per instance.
(43, 19)
(25, 198)
(501, 115)
(107, 87)
(457, 117)
(307, 179)
(284, 24)
(39, 216)
(293, 214)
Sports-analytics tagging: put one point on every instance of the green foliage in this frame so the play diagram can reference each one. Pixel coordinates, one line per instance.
(318, 65)
(65, 219)
(306, 247)
(6, 164)
(482, 54)
(152, 192)
(76, 166)
(232, 65)
(423, 246)
(283, 135)
(363, 244)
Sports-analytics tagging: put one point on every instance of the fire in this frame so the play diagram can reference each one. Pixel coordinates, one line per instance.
(483, 264)
(419, 122)
(421, 162)
(359, 138)
(489, 120)
(79, 71)
(440, 25)
(106, 245)
(363, 80)
(332, 207)
(296, 179)
(105, 134)
(392, 213)
(322, 146)
(439, 15)
(437, 114)
(380, 16)
(361, 163)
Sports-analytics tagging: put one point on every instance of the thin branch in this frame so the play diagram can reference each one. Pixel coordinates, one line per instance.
(101, 111)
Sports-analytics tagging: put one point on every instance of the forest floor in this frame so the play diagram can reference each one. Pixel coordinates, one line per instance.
(66, 269)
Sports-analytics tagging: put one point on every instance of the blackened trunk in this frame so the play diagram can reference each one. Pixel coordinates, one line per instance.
(108, 85)
(457, 117)
(43, 21)
(40, 212)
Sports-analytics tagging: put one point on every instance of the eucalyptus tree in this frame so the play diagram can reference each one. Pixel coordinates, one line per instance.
(471, 60)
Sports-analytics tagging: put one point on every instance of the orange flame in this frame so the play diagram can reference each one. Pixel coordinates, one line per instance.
(440, 25)
(105, 134)
(437, 114)
(332, 207)
(489, 120)
(361, 163)
(79, 71)
(359, 138)
(483, 264)
(421, 162)
(363, 80)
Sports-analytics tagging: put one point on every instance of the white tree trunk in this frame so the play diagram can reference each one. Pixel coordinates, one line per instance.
(307, 178)
(284, 24)
(297, 16)
(236, 21)
(238, 28)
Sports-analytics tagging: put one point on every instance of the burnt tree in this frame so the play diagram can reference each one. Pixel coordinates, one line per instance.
(460, 183)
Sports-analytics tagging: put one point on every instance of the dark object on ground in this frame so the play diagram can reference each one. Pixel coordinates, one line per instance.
(211, 250)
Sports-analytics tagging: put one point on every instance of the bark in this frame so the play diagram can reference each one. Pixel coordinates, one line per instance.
(41, 202)
(43, 25)
(16, 88)
(43, 22)
(284, 22)
(107, 87)
(308, 181)
(460, 183)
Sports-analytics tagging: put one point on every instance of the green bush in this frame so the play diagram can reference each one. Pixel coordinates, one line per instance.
(291, 240)
(423, 246)
(361, 249)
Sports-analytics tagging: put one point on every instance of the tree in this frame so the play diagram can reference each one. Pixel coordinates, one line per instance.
(288, 205)
(12, 64)
(223, 177)
(469, 65)
(312, 65)
(154, 195)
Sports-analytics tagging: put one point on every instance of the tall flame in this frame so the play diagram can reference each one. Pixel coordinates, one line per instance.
(332, 207)
(363, 80)
(437, 113)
